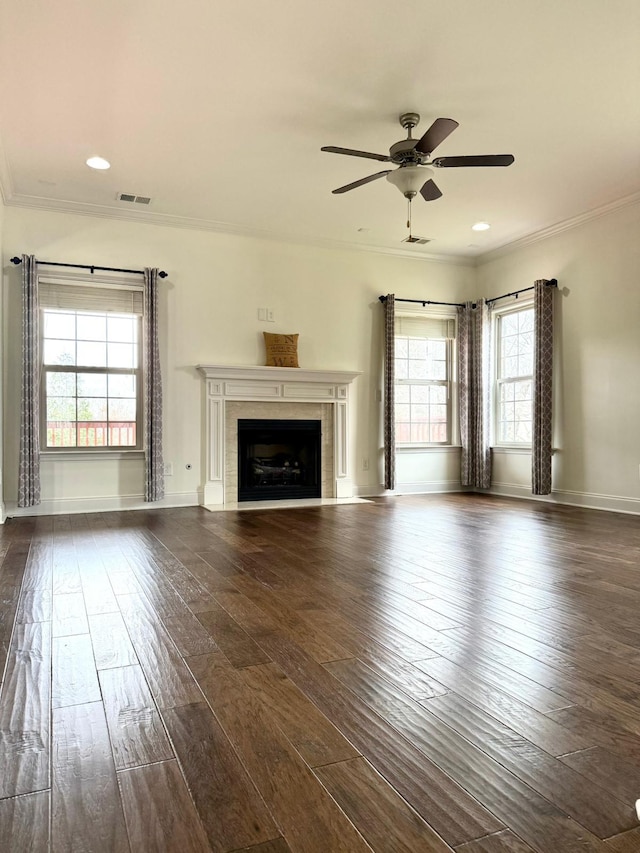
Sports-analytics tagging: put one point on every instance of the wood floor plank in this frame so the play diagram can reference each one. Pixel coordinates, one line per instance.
(620, 776)
(628, 842)
(135, 727)
(587, 803)
(408, 677)
(231, 810)
(36, 605)
(111, 643)
(278, 845)
(12, 572)
(311, 821)
(510, 682)
(501, 842)
(165, 670)
(317, 740)
(159, 812)
(69, 615)
(525, 720)
(74, 677)
(479, 774)
(234, 642)
(85, 801)
(382, 816)
(24, 823)
(602, 728)
(455, 815)
(97, 590)
(25, 712)
(190, 635)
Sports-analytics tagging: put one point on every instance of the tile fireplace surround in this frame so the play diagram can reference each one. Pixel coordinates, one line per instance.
(274, 392)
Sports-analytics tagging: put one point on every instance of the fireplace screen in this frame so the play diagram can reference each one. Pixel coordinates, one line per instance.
(278, 459)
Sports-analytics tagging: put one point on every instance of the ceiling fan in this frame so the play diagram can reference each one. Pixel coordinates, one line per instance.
(412, 156)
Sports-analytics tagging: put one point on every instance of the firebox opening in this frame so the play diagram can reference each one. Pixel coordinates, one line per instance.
(278, 459)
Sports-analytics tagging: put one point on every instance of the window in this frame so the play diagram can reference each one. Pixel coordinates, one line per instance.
(91, 353)
(423, 369)
(514, 376)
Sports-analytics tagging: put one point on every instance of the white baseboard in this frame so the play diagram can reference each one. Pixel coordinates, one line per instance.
(436, 487)
(72, 506)
(588, 500)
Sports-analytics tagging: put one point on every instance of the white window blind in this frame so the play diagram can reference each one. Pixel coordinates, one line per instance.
(426, 327)
(70, 297)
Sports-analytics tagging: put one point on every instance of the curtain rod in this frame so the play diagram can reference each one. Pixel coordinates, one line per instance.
(553, 282)
(424, 302)
(92, 267)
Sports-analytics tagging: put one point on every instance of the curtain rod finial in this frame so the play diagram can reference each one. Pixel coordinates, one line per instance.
(16, 260)
(163, 274)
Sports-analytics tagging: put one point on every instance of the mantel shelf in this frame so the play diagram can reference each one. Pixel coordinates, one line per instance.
(279, 374)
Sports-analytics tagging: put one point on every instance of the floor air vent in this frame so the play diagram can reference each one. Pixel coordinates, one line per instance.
(134, 199)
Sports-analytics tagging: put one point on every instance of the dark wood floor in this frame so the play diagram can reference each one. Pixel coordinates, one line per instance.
(414, 674)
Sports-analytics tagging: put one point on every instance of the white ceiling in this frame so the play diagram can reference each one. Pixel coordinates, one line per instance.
(217, 110)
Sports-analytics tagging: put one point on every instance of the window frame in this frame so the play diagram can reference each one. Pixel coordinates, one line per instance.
(515, 307)
(137, 371)
(450, 383)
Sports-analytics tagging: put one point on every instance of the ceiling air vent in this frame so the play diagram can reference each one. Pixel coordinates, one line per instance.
(134, 199)
(420, 240)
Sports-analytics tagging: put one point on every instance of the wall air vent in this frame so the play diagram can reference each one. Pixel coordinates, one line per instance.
(133, 199)
(420, 240)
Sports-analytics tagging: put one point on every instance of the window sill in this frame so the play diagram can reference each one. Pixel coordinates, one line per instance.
(427, 448)
(83, 455)
(511, 448)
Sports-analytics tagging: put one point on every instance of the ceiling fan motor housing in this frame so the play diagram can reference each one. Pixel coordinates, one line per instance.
(404, 152)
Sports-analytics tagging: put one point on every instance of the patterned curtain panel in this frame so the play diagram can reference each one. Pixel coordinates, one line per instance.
(474, 394)
(389, 393)
(29, 458)
(542, 388)
(154, 465)
(464, 391)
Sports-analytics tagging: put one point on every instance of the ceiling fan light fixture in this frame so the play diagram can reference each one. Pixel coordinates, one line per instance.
(409, 179)
(481, 226)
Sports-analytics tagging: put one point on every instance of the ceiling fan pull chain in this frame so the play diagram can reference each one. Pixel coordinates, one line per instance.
(409, 215)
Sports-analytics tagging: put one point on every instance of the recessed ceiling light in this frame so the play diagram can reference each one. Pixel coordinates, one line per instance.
(98, 163)
(480, 226)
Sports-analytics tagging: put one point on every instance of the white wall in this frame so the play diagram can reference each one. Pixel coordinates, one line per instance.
(597, 387)
(2, 509)
(216, 284)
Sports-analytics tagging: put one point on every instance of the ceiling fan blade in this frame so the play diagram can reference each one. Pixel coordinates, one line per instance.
(437, 133)
(384, 158)
(473, 160)
(362, 181)
(430, 191)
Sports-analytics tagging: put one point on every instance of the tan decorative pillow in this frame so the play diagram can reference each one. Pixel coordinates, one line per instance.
(282, 350)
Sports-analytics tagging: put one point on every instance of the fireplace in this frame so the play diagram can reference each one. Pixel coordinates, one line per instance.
(234, 393)
(278, 459)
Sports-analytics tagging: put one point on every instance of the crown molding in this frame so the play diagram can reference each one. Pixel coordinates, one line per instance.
(559, 228)
(12, 199)
(192, 223)
(6, 180)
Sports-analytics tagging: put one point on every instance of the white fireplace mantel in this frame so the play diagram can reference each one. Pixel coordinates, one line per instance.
(224, 383)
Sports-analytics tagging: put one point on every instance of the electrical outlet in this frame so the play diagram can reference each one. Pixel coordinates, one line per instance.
(270, 316)
(365, 464)
(168, 469)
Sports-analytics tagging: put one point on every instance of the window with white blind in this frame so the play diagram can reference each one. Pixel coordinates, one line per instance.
(423, 379)
(91, 367)
(514, 375)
